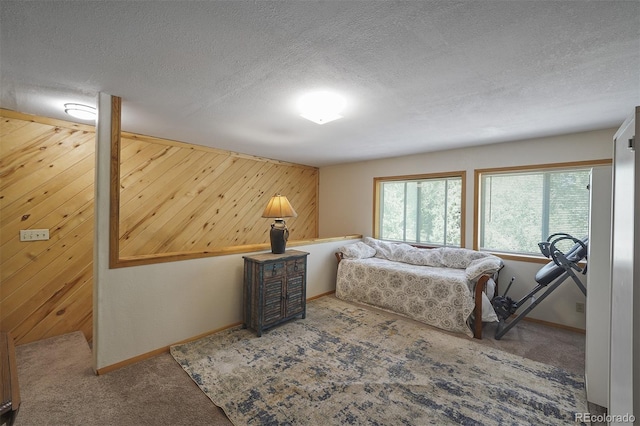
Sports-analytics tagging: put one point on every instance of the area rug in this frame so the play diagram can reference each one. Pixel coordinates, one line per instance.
(346, 364)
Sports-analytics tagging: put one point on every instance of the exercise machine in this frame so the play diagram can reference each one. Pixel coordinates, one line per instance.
(561, 267)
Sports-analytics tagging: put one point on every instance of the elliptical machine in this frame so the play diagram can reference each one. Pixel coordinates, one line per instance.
(560, 268)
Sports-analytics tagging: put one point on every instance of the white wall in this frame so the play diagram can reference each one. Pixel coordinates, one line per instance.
(349, 188)
(598, 309)
(148, 307)
(624, 360)
(140, 309)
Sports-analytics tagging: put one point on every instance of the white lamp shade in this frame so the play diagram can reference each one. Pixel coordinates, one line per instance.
(279, 207)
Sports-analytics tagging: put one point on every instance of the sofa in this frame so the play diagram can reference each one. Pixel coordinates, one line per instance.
(445, 287)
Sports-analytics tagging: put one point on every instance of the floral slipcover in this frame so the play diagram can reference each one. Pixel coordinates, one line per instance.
(432, 286)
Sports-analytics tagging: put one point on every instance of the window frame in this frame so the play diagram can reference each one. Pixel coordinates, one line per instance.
(477, 196)
(377, 181)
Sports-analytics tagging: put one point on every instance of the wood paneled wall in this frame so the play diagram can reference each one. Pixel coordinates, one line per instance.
(46, 181)
(178, 198)
(174, 198)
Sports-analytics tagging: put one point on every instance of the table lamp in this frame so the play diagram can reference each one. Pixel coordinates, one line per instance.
(279, 208)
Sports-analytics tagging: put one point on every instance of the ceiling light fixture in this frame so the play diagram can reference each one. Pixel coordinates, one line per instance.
(321, 107)
(83, 112)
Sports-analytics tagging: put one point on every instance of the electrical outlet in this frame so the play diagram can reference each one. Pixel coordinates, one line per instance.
(580, 307)
(34, 234)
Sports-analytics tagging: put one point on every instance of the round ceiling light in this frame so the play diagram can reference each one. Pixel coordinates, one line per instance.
(321, 107)
(82, 112)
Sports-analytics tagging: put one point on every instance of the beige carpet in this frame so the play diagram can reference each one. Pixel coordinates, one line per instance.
(58, 385)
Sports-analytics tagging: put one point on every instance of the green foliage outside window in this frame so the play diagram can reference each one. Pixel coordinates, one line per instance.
(518, 210)
(423, 211)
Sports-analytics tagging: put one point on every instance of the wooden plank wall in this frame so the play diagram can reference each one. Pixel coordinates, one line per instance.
(175, 197)
(178, 198)
(46, 181)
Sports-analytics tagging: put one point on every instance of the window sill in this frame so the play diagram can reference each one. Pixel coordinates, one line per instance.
(529, 258)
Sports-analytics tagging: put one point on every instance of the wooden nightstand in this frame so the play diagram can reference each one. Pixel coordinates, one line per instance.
(275, 289)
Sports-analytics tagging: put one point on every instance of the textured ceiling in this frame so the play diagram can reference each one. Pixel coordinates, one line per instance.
(418, 76)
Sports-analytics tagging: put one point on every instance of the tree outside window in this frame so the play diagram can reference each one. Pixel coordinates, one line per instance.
(424, 209)
(520, 209)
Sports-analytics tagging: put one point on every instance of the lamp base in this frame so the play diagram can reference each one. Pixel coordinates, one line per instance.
(279, 235)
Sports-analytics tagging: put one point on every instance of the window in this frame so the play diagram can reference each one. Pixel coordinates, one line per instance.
(519, 209)
(425, 209)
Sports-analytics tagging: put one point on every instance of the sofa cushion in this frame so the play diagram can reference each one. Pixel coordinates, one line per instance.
(401, 252)
(357, 250)
(487, 265)
(442, 257)
(459, 258)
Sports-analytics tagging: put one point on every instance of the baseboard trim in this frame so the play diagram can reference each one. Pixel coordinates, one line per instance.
(321, 295)
(555, 325)
(165, 349)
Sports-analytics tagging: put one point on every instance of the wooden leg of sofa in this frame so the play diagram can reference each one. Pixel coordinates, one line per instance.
(480, 288)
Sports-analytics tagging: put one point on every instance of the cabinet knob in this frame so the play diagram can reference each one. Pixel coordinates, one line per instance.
(295, 265)
(273, 271)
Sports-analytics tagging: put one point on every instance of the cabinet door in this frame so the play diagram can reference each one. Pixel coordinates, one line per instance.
(295, 291)
(273, 309)
(295, 294)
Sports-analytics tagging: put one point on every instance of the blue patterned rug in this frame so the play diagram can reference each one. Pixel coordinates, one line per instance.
(345, 364)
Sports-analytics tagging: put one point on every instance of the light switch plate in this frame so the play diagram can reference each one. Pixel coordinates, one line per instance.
(34, 234)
